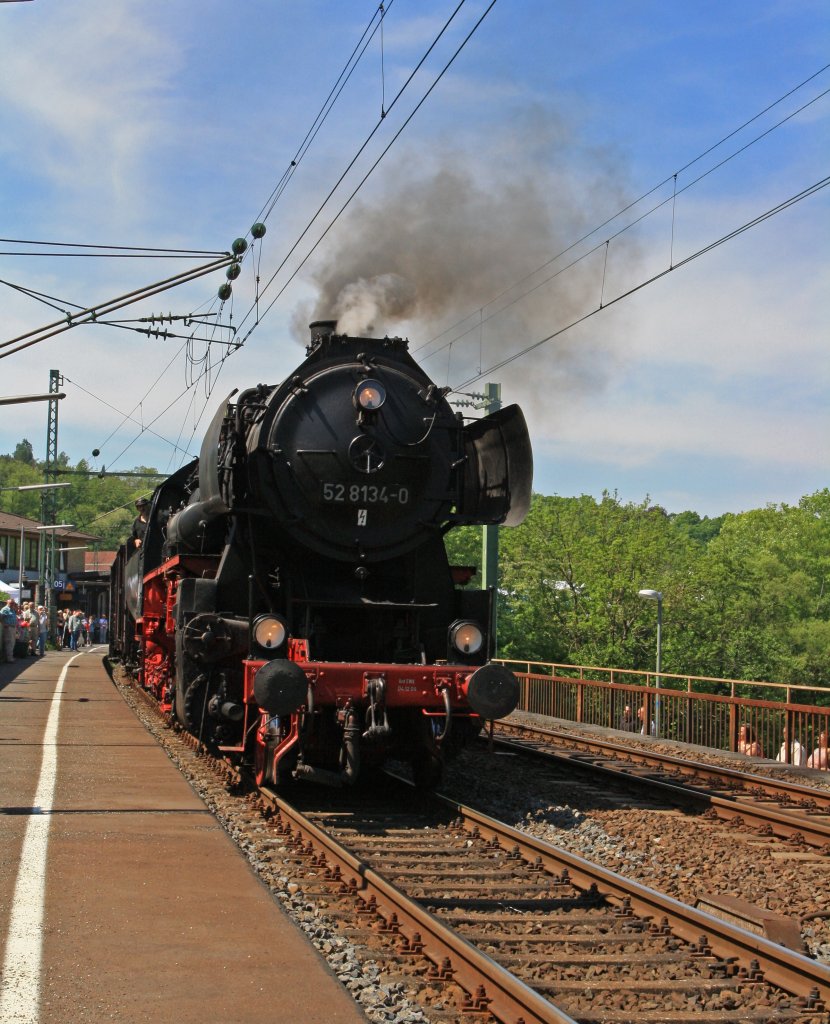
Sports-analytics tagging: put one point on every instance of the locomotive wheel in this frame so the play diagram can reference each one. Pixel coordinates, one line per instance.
(191, 695)
(196, 717)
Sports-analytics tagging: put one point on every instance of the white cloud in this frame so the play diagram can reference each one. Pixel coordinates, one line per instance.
(85, 92)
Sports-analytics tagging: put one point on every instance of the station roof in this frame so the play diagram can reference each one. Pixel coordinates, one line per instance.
(10, 523)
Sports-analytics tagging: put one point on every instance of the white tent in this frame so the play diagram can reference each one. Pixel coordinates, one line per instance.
(9, 590)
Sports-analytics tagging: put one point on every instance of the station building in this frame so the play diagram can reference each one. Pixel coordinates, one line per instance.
(81, 577)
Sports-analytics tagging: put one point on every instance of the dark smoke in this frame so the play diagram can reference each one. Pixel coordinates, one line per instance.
(440, 245)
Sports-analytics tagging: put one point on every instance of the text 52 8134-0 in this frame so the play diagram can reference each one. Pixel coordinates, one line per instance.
(364, 494)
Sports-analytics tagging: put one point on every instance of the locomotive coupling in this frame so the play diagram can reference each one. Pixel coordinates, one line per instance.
(493, 691)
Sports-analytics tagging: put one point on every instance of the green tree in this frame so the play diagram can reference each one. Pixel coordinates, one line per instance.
(24, 452)
(572, 572)
(758, 604)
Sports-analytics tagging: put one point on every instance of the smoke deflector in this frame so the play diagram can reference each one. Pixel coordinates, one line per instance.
(498, 472)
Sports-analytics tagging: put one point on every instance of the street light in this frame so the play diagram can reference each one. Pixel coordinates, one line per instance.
(35, 487)
(656, 595)
(21, 399)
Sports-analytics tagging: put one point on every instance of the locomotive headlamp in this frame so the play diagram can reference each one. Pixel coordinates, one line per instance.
(369, 395)
(466, 637)
(269, 632)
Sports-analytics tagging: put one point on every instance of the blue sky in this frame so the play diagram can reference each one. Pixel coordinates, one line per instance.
(141, 123)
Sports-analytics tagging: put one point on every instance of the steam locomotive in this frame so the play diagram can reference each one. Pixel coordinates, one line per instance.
(292, 604)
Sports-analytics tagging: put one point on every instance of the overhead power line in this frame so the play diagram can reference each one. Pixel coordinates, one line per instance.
(754, 222)
(109, 251)
(672, 178)
(206, 372)
(371, 170)
(92, 314)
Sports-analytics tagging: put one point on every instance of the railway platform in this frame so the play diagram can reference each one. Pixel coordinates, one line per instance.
(121, 897)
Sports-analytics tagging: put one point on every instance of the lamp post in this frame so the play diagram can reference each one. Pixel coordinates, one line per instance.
(656, 595)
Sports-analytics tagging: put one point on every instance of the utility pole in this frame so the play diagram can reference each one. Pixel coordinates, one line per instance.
(49, 502)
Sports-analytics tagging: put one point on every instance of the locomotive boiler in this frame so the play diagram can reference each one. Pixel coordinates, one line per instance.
(292, 604)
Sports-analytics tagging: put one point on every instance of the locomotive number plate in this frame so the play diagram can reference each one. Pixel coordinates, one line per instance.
(364, 494)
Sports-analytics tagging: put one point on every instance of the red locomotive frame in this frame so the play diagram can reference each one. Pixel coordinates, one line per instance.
(434, 690)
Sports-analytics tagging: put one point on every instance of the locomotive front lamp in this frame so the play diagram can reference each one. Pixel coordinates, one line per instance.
(369, 395)
(466, 637)
(269, 632)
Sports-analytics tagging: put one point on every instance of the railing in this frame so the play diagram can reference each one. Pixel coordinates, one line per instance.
(722, 714)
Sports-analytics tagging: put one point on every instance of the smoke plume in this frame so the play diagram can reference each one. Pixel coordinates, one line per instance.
(444, 246)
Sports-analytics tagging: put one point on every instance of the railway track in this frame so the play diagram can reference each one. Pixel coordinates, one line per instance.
(534, 933)
(772, 806)
(512, 929)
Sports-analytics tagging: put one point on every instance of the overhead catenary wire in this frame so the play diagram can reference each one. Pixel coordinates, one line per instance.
(626, 209)
(371, 170)
(95, 314)
(137, 251)
(92, 313)
(129, 416)
(200, 377)
(48, 300)
(632, 205)
(155, 419)
(319, 120)
(754, 222)
(325, 109)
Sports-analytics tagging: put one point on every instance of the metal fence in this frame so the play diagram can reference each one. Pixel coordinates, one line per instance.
(786, 722)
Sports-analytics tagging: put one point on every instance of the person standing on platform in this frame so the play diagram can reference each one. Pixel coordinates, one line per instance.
(8, 617)
(29, 617)
(42, 629)
(103, 626)
(74, 626)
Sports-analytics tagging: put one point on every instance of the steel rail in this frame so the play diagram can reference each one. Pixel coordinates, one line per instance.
(776, 965)
(779, 787)
(788, 821)
(780, 966)
(491, 987)
(505, 996)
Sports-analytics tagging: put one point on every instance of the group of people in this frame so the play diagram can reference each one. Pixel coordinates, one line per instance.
(24, 629)
(76, 629)
(629, 722)
(748, 744)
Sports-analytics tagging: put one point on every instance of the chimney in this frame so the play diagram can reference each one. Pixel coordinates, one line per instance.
(321, 328)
